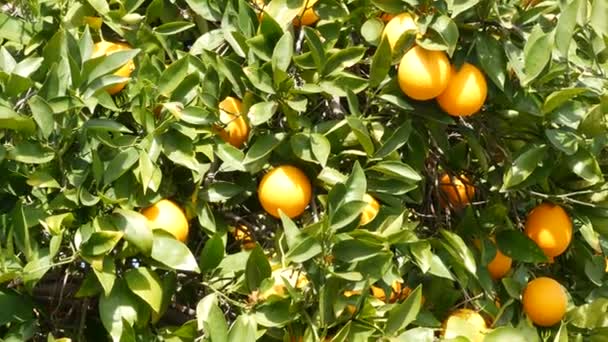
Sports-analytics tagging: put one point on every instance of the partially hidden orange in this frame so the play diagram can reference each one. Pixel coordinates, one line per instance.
(168, 216)
(457, 190)
(104, 48)
(423, 74)
(397, 26)
(307, 15)
(370, 211)
(235, 130)
(466, 92)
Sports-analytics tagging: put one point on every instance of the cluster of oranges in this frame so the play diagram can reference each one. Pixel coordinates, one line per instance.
(427, 74)
(550, 227)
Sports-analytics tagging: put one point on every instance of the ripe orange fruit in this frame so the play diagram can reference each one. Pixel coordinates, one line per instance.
(307, 15)
(243, 235)
(458, 193)
(370, 211)
(466, 92)
(166, 215)
(423, 74)
(236, 130)
(104, 48)
(287, 188)
(472, 318)
(500, 265)
(550, 227)
(544, 301)
(397, 25)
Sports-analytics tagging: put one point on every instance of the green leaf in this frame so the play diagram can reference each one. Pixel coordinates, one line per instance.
(396, 140)
(262, 148)
(209, 41)
(173, 27)
(447, 30)
(42, 114)
(212, 254)
(15, 29)
(94, 68)
(564, 140)
(11, 120)
(22, 231)
(173, 76)
(584, 164)
(173, 253)
(120, 164)
(459, 250)
(292, 233)
(196, 116)
(178, 148)
(564, 30)
(599, 13)
(283, 52)
(397, 169)
(135, 228)
(507, 333)
(344, 58)
(119, 307)
(492, 59)
(537, 53)
(306, 249)
(459, 6)
(591, 315)
(353, 250)
(320, 147)
(145, 284)
(371, 30)
(244, 327)
(519, 247)
(524, 165)
(105, 271)
(361, 132)
(105, 125)
(560, 97)
(221, 191)
(316, 47)
(101, 242)
(257, 269)
(16, 307)
(381, 63)
(210, 319)
(261, 112)
(404, 313)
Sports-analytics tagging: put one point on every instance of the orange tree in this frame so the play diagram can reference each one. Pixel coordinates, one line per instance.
(289, 170)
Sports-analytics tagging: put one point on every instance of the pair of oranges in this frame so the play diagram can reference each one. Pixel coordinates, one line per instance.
(427, 74)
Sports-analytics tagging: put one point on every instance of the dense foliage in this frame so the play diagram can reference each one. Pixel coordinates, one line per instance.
(89, 139)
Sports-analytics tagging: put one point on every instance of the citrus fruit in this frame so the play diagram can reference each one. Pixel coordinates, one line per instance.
(466, 92)
(544, 301)
(423, 74)
(104, 48)
(500, 265)
(287, 188)
(243, 235)
(550, 227)
(465, 322)
(307, 15)
(397, 25)
(235, 130)
(166, 215)
(296, 279)
(457, 190)
(370, 211)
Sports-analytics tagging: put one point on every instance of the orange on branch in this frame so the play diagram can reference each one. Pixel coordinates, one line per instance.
(397, 25)
(472, 318)
(166, 215)
(544, 301)
(307, 15)
(243, 235)
(500, 265)
(370, 211)
(287, 188)
(104, 48)
(550, 227)
(458, 190)
(235, 130)
(423, 74)
(466, 92)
